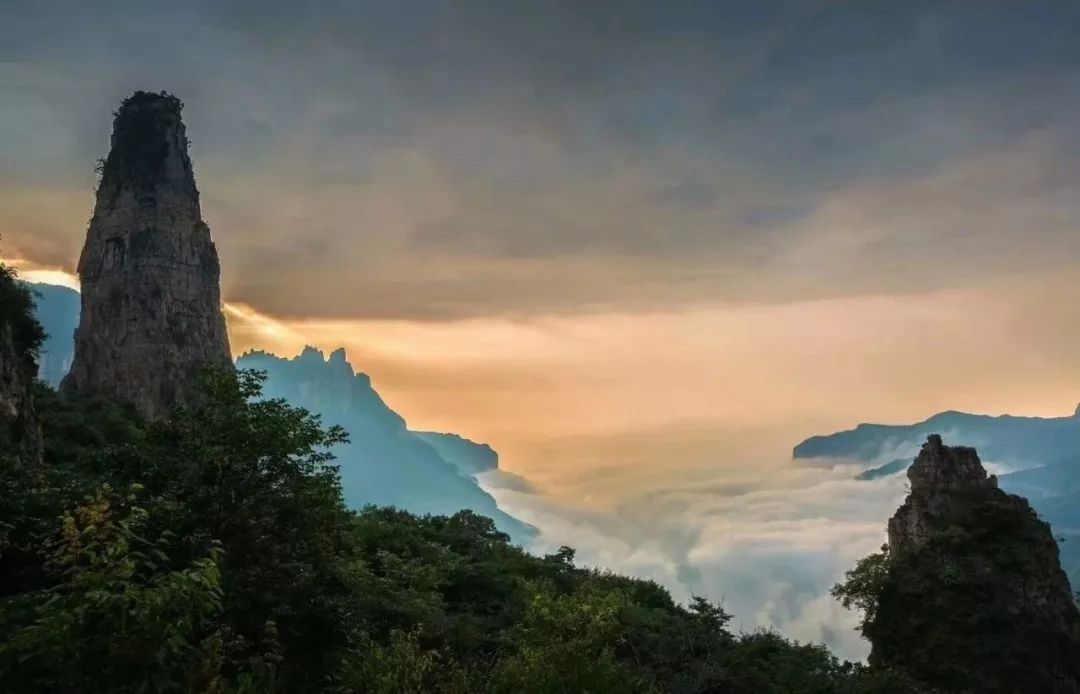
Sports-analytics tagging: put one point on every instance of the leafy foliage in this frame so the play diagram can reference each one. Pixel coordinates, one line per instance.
(212, 552)
(17, 312)
(861, 587)
(119, 618)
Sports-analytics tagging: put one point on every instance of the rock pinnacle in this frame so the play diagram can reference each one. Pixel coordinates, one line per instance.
(151, 303)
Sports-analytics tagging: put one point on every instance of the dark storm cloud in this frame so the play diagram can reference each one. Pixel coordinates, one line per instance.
(446, 158)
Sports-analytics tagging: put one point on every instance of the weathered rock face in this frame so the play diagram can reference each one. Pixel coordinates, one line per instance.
(974, 598)
(943, 480)
(151, 303)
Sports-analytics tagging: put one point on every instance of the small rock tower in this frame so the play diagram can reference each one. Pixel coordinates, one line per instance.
(151, 302)
(973, 598)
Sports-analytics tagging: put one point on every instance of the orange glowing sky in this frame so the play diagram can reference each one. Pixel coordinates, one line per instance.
(721, 386)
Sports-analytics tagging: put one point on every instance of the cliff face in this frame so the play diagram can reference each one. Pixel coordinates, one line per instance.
(945, 480)
(151, 306)
(974, 585)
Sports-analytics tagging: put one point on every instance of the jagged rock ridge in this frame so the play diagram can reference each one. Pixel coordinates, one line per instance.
(151, 304)
(941, 478)
(974, 585)
(384, 463)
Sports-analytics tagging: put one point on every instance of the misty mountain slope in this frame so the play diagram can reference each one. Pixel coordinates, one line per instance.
(384, 463)
(57, 309)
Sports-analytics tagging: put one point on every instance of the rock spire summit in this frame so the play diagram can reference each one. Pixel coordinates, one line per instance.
(151, 314)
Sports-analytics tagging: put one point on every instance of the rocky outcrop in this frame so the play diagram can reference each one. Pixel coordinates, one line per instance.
(975, 597)
(944, 480)
(151, 316)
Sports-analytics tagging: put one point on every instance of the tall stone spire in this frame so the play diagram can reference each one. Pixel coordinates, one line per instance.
(151, 302)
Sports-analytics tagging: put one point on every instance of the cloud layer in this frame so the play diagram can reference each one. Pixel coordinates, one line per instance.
(769, 548)
(437, 160)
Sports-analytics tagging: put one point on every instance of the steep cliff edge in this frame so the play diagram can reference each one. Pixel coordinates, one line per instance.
(151, 304)
(974, 597)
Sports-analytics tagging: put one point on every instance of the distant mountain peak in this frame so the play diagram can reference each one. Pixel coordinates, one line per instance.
(385, 463)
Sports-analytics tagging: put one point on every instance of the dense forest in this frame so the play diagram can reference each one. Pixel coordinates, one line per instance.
(211, 551)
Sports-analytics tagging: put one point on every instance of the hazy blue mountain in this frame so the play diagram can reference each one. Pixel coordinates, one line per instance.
(1015, 442)
(58, 313)
(384, 463)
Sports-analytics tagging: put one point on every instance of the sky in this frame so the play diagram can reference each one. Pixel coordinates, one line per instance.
(641, 247)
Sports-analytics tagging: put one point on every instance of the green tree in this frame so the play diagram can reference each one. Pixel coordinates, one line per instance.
(861, 588)
(255, 476)
(567, 643)
(120, 618)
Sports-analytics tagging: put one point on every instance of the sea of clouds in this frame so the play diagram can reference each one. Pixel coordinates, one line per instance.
(768, 546)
